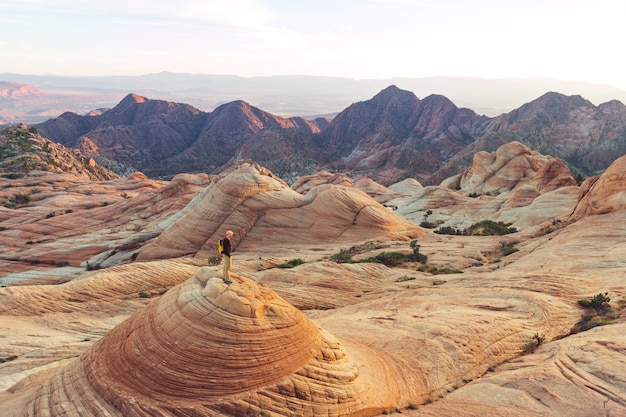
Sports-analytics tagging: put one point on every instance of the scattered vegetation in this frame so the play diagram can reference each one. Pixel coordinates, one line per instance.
(599, 302)
(61, 264)
(17, 200)
(291, 263)
(508, 248)
(598, 313)
(482, 228)
(144, 294)
(345, 255)
(436, 271)
(426, 224)
(532, 345)
(214, 260)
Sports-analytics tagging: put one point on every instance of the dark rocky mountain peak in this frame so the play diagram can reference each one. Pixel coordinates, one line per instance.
(392, 136)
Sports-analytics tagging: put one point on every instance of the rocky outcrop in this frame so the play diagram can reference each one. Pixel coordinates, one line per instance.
(263, 211)
(23, 150)
(55, 222)
(604, 193)
(207, 348)
(512, 166)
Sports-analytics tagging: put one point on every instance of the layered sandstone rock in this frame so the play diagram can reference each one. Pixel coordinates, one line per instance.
(66, 221)
(604, 193)
(264, 212)
(207, 348)
(511, 166)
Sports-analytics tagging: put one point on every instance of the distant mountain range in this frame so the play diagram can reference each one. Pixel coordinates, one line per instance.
(392, 136)
(286, 96)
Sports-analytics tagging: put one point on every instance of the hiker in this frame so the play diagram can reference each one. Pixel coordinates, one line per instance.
(226, 257)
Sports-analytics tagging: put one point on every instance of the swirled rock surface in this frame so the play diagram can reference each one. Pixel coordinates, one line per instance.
(264, 212)
(512, 165)
(208, 348)
(604, 193)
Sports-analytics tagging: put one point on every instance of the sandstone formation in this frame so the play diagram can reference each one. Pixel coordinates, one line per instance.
(206, 348)
(511, 166)
(605, 193)
(264, 213)
(61, 222)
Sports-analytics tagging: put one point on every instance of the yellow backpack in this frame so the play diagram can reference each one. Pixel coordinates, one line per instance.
(220, 246)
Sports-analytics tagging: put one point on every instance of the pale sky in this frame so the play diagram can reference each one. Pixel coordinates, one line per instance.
(570, 40)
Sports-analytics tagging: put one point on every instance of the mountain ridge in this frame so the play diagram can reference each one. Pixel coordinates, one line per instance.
(392, 136)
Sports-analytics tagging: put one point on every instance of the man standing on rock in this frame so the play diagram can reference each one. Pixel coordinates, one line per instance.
(226, 257)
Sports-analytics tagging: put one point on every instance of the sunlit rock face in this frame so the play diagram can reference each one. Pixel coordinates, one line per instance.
(511, 166)
(207, 348)
(263, 211)
(605, 193)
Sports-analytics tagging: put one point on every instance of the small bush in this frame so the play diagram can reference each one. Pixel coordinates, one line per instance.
(143, 294)
(21, 198)
(508, 248)
(388, 258)
(437, 271)
(62, 264)
(51, 214)
(292, 263)
(597, 302)
(417, 257)
(428, 225)
(343, 257)
(214, 260)
(447, 230)
(532, 345)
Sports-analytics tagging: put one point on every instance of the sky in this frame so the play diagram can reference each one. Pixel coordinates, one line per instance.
(569, 40)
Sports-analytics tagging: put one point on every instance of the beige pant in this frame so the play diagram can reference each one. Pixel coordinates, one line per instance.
(228, 262)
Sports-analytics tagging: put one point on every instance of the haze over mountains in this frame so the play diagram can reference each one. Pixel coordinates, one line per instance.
(390, 137)
(286, 96)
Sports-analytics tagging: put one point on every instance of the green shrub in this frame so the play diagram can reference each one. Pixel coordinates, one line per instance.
(417, 257)
(447, 230)
(343, 257)
(388, 258)
(508, 248)
(143, 294)
(489, 228)
(292, 263)
(482, 228)
(598, 302)
(21, 199)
